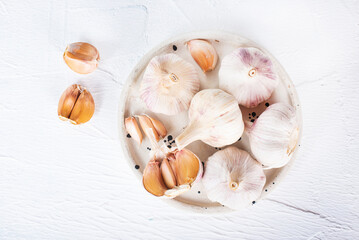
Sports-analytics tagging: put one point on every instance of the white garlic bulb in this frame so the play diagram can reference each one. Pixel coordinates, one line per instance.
(249, 75)
(233, 178)
(214, 118)
(203, 53)
(274, 135)
(169, 84)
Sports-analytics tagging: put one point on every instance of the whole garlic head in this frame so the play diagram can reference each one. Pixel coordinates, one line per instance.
(249, 75)
(168, 84)
(274, 135)
(214, 118)
(233, 178)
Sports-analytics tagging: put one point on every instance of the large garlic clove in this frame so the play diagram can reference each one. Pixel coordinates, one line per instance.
(81, 57)
(158, 125)
(274, 135)
(169, 84)
(203, 53)
(133, 129)
(214, 118)
(233, 178)
(152, 179)
(187, 167)
(249, 75)
(148, 127)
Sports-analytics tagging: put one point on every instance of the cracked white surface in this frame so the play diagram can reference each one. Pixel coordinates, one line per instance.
(70, 182)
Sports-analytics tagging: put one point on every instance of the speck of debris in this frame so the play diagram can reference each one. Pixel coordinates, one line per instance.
(148, 148)
(267, 104)
(216, 40)
(215, 148)
(137, 166)
(169, 146)
(169, 137)
(266, 190)
(164, 140)
(252, 120)
(128, 135)
(253, 114)
(239, 139)
(273, 182)
(199, 192)
(174, 48)
(172, 142)
(253, 202)
(219, 148)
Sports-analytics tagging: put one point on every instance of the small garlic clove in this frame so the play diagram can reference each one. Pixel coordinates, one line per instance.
(158, 125)
(187, 167)
(169, 84)
(167, 174)
(148, 128)
(133, 129)
(203, 53)
(274, 135)
(152, 179)
(76, 105)
(176, 191)
(249, 75)
(81, 57)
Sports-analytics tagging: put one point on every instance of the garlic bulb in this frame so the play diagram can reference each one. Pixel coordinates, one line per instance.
(274, 135)
(233, 178)
(171, 173)
(203, 53)
(214, 118)
(169, 84)
(249, 75)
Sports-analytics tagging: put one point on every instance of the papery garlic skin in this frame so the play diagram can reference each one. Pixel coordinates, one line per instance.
(274, 135)
(214, 118)
(233, 178)
(203, 53)
(168, 84)
(249, 75)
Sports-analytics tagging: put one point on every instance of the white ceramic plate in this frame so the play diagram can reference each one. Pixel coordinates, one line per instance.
(131, 104)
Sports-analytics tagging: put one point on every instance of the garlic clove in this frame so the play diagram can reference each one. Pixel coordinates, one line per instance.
(176, 191)
(187, 167)
(274, 135)
(158, 125)
(76, 105)
(249, 75)
(214, 118)
(168, 85)
(152, 179)
(233, 178)
(133, 129)
(167, 174)
(81, 57)
(148, 127)
(203, 53)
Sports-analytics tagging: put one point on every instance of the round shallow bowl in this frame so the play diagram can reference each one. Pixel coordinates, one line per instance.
(131, 104)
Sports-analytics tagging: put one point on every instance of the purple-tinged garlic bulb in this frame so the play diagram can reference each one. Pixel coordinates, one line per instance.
(168, 84)
(249, 75)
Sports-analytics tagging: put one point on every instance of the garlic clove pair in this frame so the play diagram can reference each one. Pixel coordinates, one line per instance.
(233, 178)
(203, 53)
(168, 84)
(81, 57)
(76, 105)
(172, 175)
(249, 75)
(214, 118)
(274, 135)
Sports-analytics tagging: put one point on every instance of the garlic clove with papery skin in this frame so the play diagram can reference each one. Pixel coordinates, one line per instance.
(214, 118)
(203, 53)
(81, 57)
(233, 178)
(169, 84)
(274, 135)
(148, 127)
(249, 75)
(133, 129)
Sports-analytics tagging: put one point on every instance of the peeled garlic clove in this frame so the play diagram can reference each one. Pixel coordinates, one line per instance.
(148, 127)
(233, 178)
(76, 105)
(274, 135)
(168, 84)
(158, 125)
(214, 118)
(152, 179)
(249, 75)
(167, 174)
(81, 57)
(203, 53)
(133, 129)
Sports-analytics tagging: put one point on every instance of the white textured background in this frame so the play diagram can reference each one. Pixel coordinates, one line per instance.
(59, 181)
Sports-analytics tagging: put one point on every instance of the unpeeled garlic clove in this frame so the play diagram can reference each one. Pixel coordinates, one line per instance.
(203, 53)
(76, 105)
(187, 166)
(274, 135)
(81, 57)
(152, 179)
(167, 174)
(158, 125)
(214, 118)
(233, 178)
(133, 129)
(169, 84)
(148, 128)
(249, 75)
